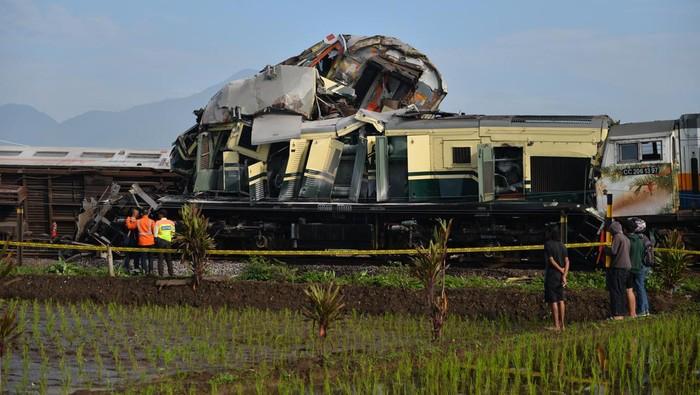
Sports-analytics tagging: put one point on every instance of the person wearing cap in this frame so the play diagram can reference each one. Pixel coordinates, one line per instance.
(642, 258)
(165, 230)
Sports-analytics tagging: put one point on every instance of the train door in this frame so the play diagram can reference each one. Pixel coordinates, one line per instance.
(508, 172)
(486, 172)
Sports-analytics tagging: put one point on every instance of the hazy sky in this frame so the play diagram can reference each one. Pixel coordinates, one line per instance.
(633, 60)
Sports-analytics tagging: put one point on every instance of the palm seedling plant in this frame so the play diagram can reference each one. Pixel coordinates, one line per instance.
(671, 261)
(429, 267)
(325, 307)
(194, 241)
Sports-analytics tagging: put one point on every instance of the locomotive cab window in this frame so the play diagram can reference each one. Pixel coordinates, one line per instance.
(628, 152)
(651, 150)
(646, 151)
(461, 155)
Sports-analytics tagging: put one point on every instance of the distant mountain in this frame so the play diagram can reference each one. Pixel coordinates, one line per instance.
(18, 121)
(153, 125)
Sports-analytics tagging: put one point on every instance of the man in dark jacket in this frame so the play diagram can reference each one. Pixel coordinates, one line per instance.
(619, 271)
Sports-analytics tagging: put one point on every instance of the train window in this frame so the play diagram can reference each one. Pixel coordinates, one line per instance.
(651, 150)
(461, 155)
(628, 152)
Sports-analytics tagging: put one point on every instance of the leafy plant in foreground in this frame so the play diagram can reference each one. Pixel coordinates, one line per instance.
(429, 267)
(670, 265)
(194, 241)
(326, 305)
(62, 268)
(9, 330)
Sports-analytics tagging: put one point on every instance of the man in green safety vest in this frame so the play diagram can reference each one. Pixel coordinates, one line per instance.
(165, 230)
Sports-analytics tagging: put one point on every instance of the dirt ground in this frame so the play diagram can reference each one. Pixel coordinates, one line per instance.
(513, 303)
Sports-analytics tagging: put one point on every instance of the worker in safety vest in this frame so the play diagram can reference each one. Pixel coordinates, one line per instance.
(131, 240)
(146, 227)
(165, 230)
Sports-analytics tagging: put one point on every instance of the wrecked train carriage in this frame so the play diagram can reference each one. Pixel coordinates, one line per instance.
(328, 83)
(376, 180)
(67, 190)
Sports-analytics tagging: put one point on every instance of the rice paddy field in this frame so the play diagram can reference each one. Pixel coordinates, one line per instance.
(91, 348)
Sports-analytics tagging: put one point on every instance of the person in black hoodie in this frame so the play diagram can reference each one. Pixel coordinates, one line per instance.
(556, 268)
(619, 271)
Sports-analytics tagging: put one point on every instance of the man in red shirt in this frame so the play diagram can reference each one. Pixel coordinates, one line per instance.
(146, 227)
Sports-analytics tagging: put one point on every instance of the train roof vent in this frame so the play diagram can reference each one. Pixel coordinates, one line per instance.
(142, 155)
(50, 154)
(9, 153)
(553, 119)
(97, 155)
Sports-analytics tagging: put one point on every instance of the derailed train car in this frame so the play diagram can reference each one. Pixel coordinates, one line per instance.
(342, 146)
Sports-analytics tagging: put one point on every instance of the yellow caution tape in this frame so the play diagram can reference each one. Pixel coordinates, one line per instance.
(84, 247)
(335, 252)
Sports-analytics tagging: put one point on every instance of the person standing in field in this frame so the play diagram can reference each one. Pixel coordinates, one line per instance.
(165, 229)
(619, 271)
(131, 240)
(642, 255)
(146, 227)
(636, 248)
(556, 268)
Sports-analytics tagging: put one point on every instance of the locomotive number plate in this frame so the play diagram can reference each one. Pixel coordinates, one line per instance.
(638, 171)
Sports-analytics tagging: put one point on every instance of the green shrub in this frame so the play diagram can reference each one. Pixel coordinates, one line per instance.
(63, 268)
(315, 276)
(264, 269)
(223, 378)
(396, 278)
(586, 280)
(471, 281)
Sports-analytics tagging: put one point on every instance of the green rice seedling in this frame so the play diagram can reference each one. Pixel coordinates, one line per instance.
(98, 360)
(80, 359)
(66, 377)
(25, 365)
(44, 376)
